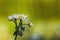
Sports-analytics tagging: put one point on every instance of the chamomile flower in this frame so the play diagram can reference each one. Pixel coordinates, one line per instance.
(10, 17)
(15, 16)
(21, 16)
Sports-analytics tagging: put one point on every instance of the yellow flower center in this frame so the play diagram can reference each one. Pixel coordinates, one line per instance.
(20, 17)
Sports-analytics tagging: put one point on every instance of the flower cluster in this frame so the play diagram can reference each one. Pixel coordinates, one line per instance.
(18, 16)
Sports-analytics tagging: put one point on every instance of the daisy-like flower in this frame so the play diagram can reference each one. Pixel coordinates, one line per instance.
(10, 17)
(19, 16)
(22, 16)
(15, 16)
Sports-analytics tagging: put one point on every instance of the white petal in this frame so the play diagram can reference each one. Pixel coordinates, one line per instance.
(10, 17)
(15, 16)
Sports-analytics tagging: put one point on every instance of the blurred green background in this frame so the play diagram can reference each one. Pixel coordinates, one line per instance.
(44, 14)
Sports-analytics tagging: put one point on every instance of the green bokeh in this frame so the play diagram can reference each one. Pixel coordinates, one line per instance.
(44, 14)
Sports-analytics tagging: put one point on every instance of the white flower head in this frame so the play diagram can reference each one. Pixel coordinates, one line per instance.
(15, 16)
(10, 17)
(22, 16)
(19, 16)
